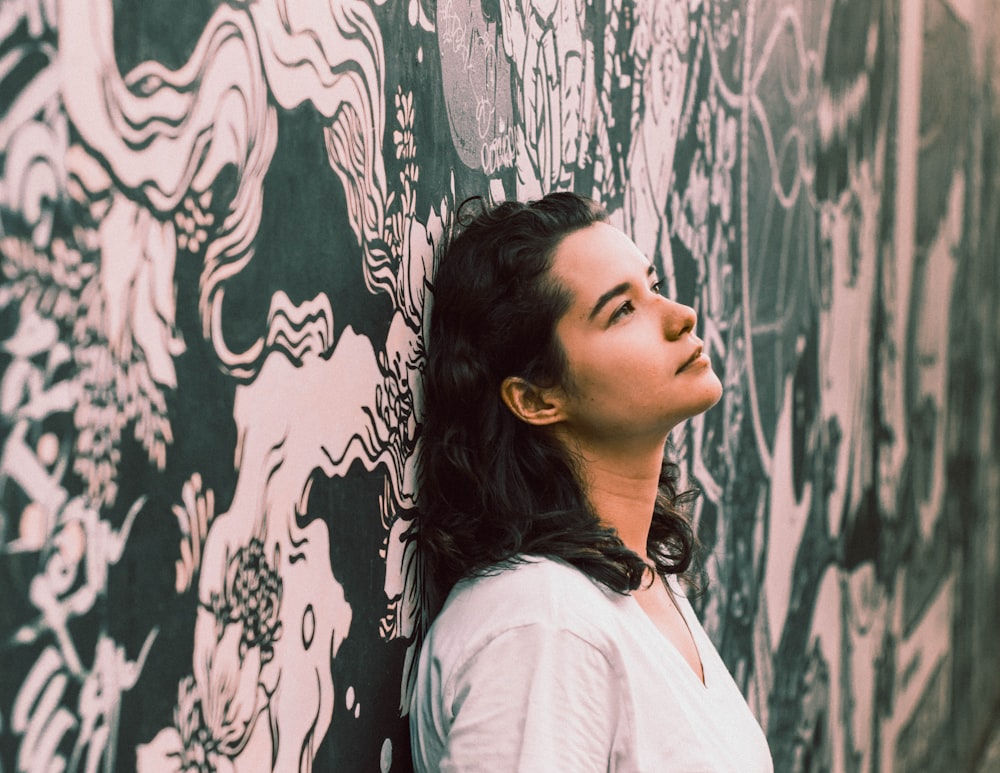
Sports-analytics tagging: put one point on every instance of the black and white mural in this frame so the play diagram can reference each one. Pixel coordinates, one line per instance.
(218, 222)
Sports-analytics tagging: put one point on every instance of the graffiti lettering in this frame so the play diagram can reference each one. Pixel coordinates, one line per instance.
(499, 153)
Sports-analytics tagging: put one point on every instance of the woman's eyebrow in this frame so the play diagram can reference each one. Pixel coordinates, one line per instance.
(615, 291)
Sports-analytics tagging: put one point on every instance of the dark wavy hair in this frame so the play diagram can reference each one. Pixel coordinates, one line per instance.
(491, 488)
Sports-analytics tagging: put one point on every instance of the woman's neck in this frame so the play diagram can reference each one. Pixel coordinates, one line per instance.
(622, 490)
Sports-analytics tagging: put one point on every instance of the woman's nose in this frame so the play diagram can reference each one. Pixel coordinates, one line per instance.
(678, 320)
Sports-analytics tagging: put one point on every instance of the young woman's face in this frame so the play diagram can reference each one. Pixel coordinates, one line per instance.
(635, 367)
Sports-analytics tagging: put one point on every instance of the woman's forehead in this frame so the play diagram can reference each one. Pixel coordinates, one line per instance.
(595, 254)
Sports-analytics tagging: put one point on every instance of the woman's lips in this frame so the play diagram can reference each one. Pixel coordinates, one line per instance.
(697, 357)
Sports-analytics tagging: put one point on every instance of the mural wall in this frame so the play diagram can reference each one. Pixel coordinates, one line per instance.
(217, 227)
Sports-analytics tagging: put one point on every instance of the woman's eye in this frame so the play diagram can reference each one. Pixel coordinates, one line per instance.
(657, 287)
(622, 311)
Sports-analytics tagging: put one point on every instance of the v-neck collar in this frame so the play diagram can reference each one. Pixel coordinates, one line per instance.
(666, 639)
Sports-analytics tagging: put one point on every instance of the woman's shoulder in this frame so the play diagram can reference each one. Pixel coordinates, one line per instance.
(531, 571)
(532, 591)
(528, 582)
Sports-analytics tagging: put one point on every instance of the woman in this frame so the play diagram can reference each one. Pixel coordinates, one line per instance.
(548, 515)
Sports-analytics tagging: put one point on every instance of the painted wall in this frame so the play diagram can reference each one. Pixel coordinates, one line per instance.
(217, 224)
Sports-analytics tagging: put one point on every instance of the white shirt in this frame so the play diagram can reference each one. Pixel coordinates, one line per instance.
(538, 668)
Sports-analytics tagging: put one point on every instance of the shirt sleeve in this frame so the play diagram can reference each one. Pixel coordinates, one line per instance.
(536, 697)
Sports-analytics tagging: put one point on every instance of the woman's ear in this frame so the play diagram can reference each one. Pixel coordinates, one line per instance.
(531, 404)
